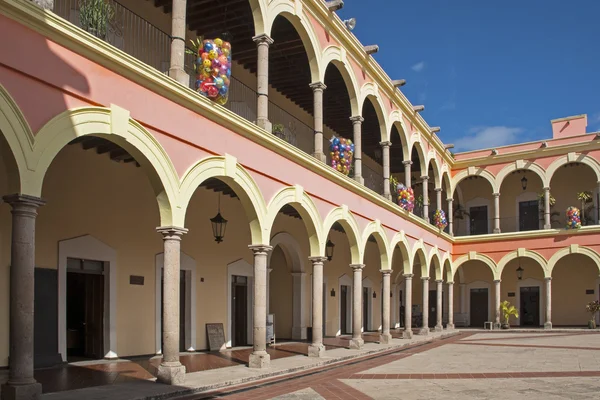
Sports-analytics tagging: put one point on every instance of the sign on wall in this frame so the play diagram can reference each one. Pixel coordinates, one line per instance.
(216, 337)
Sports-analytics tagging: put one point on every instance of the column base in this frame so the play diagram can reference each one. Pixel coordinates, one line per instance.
(171, 373)
(496, 230)
(320, 156)
(385, 338)
(180, 76)
(547, 226)
(449, 327)
(260, 360)
(357, 344)
(265, 124)
(439, 328)
(548, 326)
(497, 325)
(424, 331)
(407, 334)
(31, 391)
(359, 179)
(316, 350)
(388, 196)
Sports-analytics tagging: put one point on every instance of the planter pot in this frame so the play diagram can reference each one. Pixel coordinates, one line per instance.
(505, 326)
(592, 324)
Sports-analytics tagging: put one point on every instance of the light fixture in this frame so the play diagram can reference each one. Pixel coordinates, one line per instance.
(371, 49)
(219, 224)
(332, 292)
(350, 23)
(334, 5)
(524, 183)
(329, 250)
(520, 271)
(374, 295)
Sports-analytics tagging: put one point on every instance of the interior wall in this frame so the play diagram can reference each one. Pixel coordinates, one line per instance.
(510, 190)
(281, 294)
(564, 188)
(572, 276)
(472, 189)
(510, 282)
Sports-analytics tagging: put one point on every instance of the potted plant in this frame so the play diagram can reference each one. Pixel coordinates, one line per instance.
(508, 310)
(586, 200)
(593, 307)
(95, 16)
(279, 131)
(394, 188)
(553, 214)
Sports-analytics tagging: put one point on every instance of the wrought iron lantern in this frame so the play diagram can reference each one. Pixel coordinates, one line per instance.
(329, 247)
(332, 292)
(520, 272)
(524, 183)
(374, 295)
(219, 224)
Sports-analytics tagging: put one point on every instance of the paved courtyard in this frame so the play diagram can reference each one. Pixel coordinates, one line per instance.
(467, 366)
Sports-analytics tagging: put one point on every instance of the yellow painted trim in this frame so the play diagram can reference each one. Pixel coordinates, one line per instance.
(399, 240)
(337, 56)
(434, 259)
(556, 257)
(580, 158)
(346, 219)
(374, 228)
(513, 236)
(419, 250)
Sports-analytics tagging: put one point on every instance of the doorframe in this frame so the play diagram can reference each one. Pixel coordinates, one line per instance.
(240, 267)
(478, 285)
(345, 280)
(187, 265)
(367, 283)
(478, 202)
(527, 196)
(531, 282)
(87, 247)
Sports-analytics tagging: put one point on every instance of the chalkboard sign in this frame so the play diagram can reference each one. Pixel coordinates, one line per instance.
(216, 337)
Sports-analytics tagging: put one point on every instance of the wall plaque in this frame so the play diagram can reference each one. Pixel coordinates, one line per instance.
(511, 294)
(216, 337)
(589, 291)
(136, 280)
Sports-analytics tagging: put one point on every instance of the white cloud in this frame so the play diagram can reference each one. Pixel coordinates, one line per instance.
(484, 137)
(450, 105)
(418, 67)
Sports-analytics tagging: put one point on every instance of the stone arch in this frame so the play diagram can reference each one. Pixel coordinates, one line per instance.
(573, 249)
(233, 174)
(297, 198)
(472, 171)
(419, 251)
(259, 11)
(370, 92)
(346, 219)
(17, 133)
(434, 260)
(397, 121)
(399, 240)
(437, 177)
(374, 228)
(520, 165)
(537, 257)
(424, 164)
(291, 249)
(445, 178)
(337, 56)
(293, 12)
(473, 255)
(571, 158)
(447, 268)
(113, 124)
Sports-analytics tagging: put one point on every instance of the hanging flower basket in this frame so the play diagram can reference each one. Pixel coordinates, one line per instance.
(342, 152)
(213, 69)
(406, 197)
(439, 219)
(573, 218)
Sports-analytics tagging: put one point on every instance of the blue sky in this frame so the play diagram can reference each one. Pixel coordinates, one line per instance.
(489, 73)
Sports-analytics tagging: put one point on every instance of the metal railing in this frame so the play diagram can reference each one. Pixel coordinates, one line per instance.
(373, 179)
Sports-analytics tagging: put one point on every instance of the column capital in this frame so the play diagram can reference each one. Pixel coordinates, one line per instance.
(315, 86)
(450, 283)
(262, 38)
(260, 248)
(407, 276)
(424, 278)
(497, 281)
(548, 278)
(171, 232)
(496, 195)
(425, 177)
(357, 119)
(23, 199)
(407, 162)
(386, 271)
(546, 189)
(357, 266)
(385, 144)
(317, 260)
(439, 281)
(449, 199)
(437, 189)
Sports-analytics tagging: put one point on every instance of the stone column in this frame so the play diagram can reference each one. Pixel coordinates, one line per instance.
(299, 321)
(385, 151)
(496, 212)
(450, 324)
(386, 337)
(438, 325)
(547, 222)
(357, 340)
(318, 88)
(262, 80)
(438, 198)
(497, 302)
(178, 30)
(548, 322)
(450, 217)
(407, 334)
(21, 383)
(407, 173)
(45, 4)
(259, 357)
(425, 328)
(425, 180)
(357, 128)
(170, 370)
(317, 349)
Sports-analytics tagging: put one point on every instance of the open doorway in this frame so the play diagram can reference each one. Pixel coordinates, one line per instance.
(479, 307)
(530, 306)
(239, 310)
(85, 309)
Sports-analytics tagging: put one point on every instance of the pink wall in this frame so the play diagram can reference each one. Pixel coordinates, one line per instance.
(567, 127)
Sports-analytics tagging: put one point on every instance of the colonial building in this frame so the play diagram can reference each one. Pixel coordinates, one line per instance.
(114, 167)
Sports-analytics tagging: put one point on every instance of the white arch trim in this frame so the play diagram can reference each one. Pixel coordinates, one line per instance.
(521, 252)
(342, 215)
(399, 240)
(517, 166)
(473, 255)
(473, 171)
(374, 228)
(337, 56)
(573, 249)
(571, 158)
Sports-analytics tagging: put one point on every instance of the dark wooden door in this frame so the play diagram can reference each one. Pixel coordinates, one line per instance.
(343, 307)
(365, 303)
(530, 306)
(432, 308)
(529, 215)
(479, 220)
(94, 316)
(479, 307)
(239, 328)
(401, 308)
